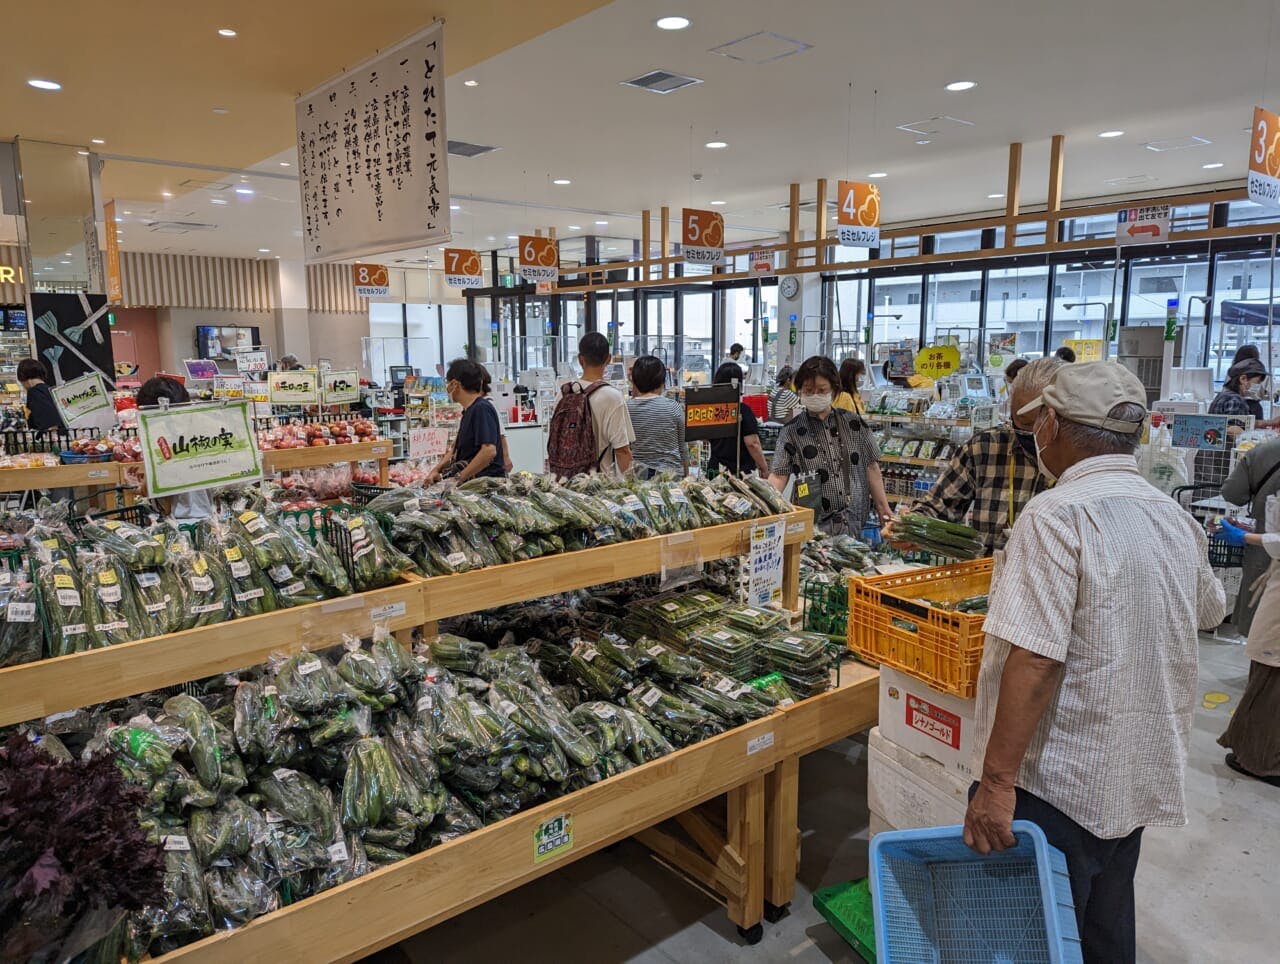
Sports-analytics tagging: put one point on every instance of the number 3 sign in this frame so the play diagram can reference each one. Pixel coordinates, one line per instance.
(1264, 158)
(539, 258)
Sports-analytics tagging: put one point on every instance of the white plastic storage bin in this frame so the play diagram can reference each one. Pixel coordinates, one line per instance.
(907, 791)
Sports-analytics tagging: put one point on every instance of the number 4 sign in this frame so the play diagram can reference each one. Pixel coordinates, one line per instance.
(858, 214)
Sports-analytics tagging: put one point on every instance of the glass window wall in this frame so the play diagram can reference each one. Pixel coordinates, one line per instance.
(954, 312)
(1017, 300)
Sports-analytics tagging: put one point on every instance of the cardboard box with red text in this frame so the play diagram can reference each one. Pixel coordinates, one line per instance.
(920, 719)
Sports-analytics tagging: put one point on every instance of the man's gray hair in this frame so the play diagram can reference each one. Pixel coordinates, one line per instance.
(1031, 381)
(1101, 441)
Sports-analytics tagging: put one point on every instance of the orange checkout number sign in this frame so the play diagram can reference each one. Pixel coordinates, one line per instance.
(713, 413)
(858, 214)
(1264, 158)
(539, 258)
(702, 236)
(370, 275)
(463, 268)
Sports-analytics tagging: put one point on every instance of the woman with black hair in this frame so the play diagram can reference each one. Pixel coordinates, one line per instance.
(783, 401)
(658, 421)
(743, 453)
(831, 455)
(476, 447)
(852, 371)
(42, 410)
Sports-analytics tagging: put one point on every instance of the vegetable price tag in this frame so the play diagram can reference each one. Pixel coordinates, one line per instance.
(76, 629)
(68, 598)
(233, 554)
(111, 627)
(147, 580)
(786, 701)
(152, 608)
(389, 611)
(294, 588)
(362, 657)
(677, 494)
(280, 573)
(270, 691)
(240, 569)
(650, 697)
(633, 502)
(209, 607)
(111, 525)
(6, 577)
(656, 650)
(761, 742)
(553, 838)
(200, 566)
(251, 594)
(282, 773)
(338, 852)
(21, 612)
(107, 577)
(589, 653)
(252, 521)
(670, 607)
(175, 841)
(604, 711)
(201, 583)
(456, 559)
(272, 816)
(309, 667)
(63, 581)
(110, 594)
(726, 685)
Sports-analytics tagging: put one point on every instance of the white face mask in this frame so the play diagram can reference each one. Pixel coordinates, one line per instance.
(1044, 469)
(816, 404)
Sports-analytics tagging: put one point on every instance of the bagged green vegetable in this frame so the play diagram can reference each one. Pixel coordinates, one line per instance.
(299, 799)
(21, 634)
(206, 585)
(328, 568)
(372, 786)
(227, 830)
(110, 609)
(184, 916)
(307, 683)
(264, 537)
(134, 546)
(204, 749)
(59, 589)
(237, 895)
(374, 561)
(159, 598)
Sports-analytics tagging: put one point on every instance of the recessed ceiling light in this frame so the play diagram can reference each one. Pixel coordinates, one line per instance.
(226, 32)
(602, 223)
(610, 248)
(671, 23)
(27, 200)
(455, 207)
(127, 212)
(1111, 134)
(244, 190)
(284, 164)
(575, 227)
(716, 145)
(264, 251)
(83, 153)
(513, 237)
(218, 200)
(1212, 166)
(716, 204)
(66, 262)
(471, 83)
(994, 197)
(878, 174)
(96, 140)
(121, 220)
(44, 84)
(221, 110)
(493, 237)
(562, 181)
(958, 85)
(924, 140)
(67, 255)
(166, 194)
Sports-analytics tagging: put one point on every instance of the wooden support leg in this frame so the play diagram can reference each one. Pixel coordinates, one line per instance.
(384, 468)
(782, 832)
(745, 824)
(791, 576)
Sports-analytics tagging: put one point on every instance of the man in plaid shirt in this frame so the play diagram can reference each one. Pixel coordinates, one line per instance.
(994, 473)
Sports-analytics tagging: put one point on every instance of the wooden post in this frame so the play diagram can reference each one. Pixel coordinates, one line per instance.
(1013, 195)
(537, 232)
(745, 826)
(646, 231)
(1054, 203)
(666, 241)
(782, 831)
(791, 577)
(551, 233)
(820, 223)
(793, 228)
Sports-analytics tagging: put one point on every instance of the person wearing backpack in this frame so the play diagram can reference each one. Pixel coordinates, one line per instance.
(590, 429)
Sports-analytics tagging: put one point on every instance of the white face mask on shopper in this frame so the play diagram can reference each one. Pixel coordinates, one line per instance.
(816, 404)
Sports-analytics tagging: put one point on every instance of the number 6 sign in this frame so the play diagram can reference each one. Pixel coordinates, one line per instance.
(539, 258)
(463, 268)
(702, 236)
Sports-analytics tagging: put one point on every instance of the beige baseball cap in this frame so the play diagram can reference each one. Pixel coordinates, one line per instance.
(1086, 393)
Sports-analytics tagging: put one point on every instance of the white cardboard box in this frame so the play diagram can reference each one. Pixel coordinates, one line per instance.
(877, 824)
(927, 723)
(905, 791)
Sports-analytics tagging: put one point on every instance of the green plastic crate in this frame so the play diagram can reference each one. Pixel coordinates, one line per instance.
(847, 908)
(826, 608)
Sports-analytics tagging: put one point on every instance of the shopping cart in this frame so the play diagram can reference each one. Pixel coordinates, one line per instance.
(1205, 504)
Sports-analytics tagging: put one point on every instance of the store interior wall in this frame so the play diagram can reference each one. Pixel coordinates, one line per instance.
(177, 331)
(336, 336)
(136, 336)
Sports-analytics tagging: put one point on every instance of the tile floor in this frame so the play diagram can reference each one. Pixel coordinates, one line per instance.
(1206, 892)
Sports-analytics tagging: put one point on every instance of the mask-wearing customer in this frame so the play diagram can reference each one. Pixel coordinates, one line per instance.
(477, 447)
(741, 453)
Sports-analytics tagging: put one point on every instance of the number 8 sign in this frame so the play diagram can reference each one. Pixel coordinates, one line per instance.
(539, 258)
(463, 268)
(371, 280)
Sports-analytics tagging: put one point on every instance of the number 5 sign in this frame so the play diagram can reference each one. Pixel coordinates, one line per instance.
(462, 268)
(371, 280)
(858, 215)
(1264, 158)
(702, 236)
(539, 258)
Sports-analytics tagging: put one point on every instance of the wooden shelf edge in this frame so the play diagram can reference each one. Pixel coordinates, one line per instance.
(284, 460)
(47, 686)
(60, 476)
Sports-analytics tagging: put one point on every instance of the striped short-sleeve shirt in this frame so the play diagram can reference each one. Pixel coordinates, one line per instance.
(658, 422)
(1109, 577)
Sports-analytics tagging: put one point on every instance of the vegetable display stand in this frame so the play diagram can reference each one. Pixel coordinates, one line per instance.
(91, 475)
(47, 686)
(285, 460)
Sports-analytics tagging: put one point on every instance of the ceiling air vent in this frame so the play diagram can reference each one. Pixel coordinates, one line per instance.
(661, 81)
(179, 227)
(1133, 180)
(200, 183)
(1177, 143)
(762, 47)
(463, 149)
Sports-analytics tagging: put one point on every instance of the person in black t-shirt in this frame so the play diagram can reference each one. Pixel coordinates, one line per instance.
(42, 410)
(476, 448)
(741, 454)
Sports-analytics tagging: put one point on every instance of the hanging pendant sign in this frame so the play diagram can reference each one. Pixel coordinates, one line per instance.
(1143, 225)
(858, 214)
(1264, 158)
(463, 268)
(373, 171)
(702, 236)
(298, 387)
(190, 447)
(371, 280)
(938, 361)
(81, 398)
(760, 264)
(711, 412)
(539, 258)
(341, 388)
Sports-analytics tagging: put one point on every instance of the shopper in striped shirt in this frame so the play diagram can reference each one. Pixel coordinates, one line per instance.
(658, 421)
(1087, 687)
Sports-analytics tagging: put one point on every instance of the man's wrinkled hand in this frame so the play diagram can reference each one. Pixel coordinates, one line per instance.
(988, 823)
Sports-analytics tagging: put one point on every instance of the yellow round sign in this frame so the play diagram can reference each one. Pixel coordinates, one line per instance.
(938, 361)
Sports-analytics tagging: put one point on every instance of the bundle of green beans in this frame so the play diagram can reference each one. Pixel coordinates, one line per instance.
(934, 535)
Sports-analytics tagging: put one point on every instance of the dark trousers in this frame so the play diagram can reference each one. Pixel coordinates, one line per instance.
(1101, 879)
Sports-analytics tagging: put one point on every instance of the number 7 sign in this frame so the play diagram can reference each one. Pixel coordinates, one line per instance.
(858, 214)
(463, 268)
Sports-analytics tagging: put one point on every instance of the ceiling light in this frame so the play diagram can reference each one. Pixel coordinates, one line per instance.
(455, 207)
(27, 200)
(1111, 134)
(44, 84)
(83, 153)
(493, 237)
(671, 23)
(284, 164)
(471, 83)
(218, 200)
(97, 140)
(67, 255)
(575, 227)
(513, 237)
(958, 85)
(264, 251)
(66, 262)
(226, 32)
(924, 140)
(602, 223)
(128, 212)
(994, 197)
(716, 145)
(562, 181)
(166, 194)
(878, 174)
(221, 110)
(247, 191)
(121, 220)
(716, 204)
(1213, 166)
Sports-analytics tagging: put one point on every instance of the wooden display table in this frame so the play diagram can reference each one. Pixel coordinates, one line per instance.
(93, 475)
(284, 460)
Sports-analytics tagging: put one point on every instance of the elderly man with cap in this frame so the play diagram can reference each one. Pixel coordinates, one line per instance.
(994, 473)
(1088, 679)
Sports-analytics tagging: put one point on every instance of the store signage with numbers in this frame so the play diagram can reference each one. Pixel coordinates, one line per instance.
(702, 236)
(463, 268)
(858, 214)
(1264, 158)
(539, 258)
(371, 280)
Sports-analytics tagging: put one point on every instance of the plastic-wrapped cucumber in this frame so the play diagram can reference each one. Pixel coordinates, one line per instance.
(299, 799)
(308, 684)
(264, 537)
(136, 548)
(669, 664)
(159, 597)
(62, 599)
(457, 654)
(768, 494)
(204, 749)
(936, 535)
(374, 561)
(385, 647)
(478, 508)
(295, 588)
(252, 592)
(227, 830)
(110, 609)
(48, 543)
(661, 518)
(588, 505)
(395, 501)
(477, 540)
(372, 785)
(184, 915)
(681, 510)
(679, 720)
(237, 895)
(774, 686)
(21, 635)
(412, 752)
(565, 513)
(517, 514)
(372, 678)
(328, 567)
(597, 671)
(455, 820)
